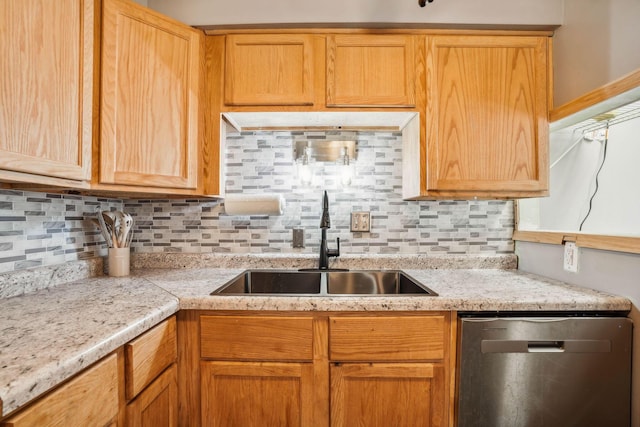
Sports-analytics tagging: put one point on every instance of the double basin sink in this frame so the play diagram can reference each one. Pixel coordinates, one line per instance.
(323, 282)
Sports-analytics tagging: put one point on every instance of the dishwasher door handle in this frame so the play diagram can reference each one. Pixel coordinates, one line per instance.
(545, 346)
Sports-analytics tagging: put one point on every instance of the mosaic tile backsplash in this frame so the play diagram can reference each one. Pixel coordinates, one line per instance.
(43, 229)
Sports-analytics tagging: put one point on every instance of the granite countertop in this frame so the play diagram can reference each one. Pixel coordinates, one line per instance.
(48, 336)
(458, 289)
(53, 333)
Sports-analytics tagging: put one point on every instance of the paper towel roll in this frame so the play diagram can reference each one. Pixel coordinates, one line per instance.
(254, 204)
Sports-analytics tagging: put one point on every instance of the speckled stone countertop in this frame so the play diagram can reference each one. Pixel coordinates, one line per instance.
(459, 290)
(51, 334)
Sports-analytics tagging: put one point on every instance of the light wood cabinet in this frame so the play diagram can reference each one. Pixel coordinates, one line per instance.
(157, 405)
(151, 383)
(149, 100)
(365, 70)
(269, 69)
(316, 369)
(486, 119)
(257, 394)
(257, 371)
(47, 96)
(90, 398)
(387, 394)
(389, 370)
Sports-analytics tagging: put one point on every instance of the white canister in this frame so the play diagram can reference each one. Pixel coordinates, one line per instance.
(119, 261)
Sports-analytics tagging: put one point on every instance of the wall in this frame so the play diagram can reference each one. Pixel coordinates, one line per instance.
(221, 12)
(39, 229)
(263, 162)
(597, 43)
(615, 208)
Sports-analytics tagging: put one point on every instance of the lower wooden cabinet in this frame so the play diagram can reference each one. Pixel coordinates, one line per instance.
(317, 369)
(257, 394)
(151, 377)
(157, 405)
(89, 399)
(389, 394)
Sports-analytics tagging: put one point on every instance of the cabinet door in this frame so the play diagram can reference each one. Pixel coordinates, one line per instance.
(257, 394)
(370, 70)
(382, 395)
(486, 114)
(157, 405)
(269, 69)
(149, 104)
(47, 77)
(89, 399)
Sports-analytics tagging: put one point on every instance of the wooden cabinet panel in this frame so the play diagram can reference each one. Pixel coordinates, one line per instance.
(486, 114)
(148, 355)
(269, 69)
(149, 103)
(381, 395)
(91, 398)
(47, 75)
(256, 338)
(157, 405)
(387, 338)
(257, 394)
(370, 70)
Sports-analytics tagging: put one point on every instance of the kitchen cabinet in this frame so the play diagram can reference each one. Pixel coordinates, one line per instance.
(47, 97)
(486, 127)
(157, 405)
(269, 69)
(90, 398)
(387, 394)
(149, 101)
(151, 383)
(257, 370)
(388, 370)
(365, 70)
(315, 369)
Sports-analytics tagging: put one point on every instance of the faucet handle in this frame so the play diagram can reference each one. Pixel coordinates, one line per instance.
(334, 252)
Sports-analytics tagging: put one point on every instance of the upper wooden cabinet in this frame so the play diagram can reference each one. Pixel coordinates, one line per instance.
(486, 119)
(370, 70)
(269, 69)
(149, 103)
(46, 101)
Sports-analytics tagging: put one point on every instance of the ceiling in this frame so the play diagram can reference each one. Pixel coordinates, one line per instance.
(475, 12)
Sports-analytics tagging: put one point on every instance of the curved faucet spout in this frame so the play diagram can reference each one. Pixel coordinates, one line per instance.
(325, 222)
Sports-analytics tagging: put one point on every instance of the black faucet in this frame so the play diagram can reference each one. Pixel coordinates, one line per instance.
(325, 223)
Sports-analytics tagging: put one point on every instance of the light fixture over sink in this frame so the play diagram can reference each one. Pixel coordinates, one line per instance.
(342, 153)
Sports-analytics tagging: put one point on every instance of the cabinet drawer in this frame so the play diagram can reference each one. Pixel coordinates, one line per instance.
(91, 398)
(148, 355)
(387, 338)
(256, 338)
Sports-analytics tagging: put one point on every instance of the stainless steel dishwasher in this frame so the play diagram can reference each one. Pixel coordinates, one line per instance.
(544, 372)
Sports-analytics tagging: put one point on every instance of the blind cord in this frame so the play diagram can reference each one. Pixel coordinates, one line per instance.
(595, 191)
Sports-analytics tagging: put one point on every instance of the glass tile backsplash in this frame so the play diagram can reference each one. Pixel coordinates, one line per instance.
(39, 229)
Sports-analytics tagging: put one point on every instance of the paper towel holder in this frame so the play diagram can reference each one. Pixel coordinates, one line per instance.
(254, 204)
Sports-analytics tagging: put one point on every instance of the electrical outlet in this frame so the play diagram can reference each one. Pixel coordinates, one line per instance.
(571, 257)
(298, 238)
(360, 221)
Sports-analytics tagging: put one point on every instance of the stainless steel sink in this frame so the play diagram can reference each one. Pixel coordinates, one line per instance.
(321, 282)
